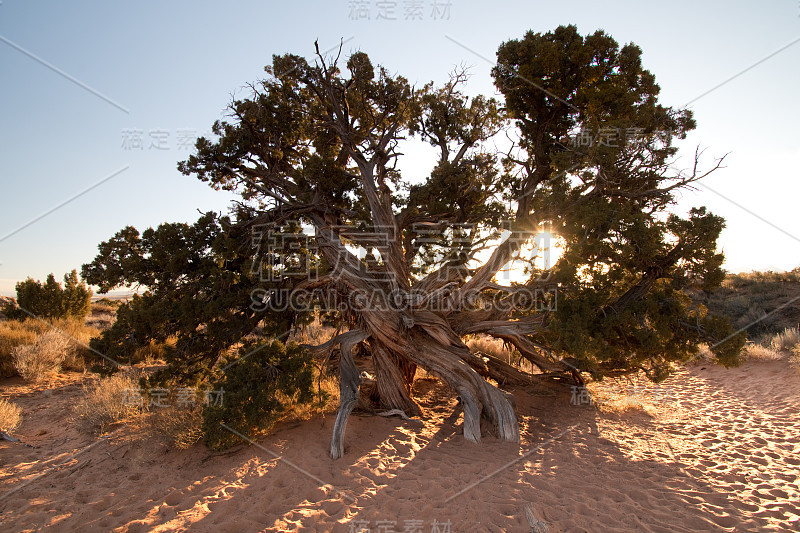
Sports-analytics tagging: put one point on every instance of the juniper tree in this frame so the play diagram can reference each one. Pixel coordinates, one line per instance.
(412, 267)
(50, 299)
(198, 281)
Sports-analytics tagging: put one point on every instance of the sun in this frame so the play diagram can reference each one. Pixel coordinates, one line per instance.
(541, 252)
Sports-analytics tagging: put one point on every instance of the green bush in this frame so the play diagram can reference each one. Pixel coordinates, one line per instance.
(50, 299)
(257, 390)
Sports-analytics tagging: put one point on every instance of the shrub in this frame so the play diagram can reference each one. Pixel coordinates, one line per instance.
(794, 357)
(50, 299)
(103, 313)
(761, 353)
(39, 361)
(15, 333)
(257, 391)
(786, 339)
(10, 416)
(108, 401)
(180, 426)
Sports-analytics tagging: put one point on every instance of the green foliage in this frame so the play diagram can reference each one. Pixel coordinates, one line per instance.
(258, 387)
(609, 318)
(200, 280)
(628, 264)
(50, 299)
(319, 143)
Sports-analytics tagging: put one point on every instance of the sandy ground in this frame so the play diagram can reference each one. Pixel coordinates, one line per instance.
(709, 450)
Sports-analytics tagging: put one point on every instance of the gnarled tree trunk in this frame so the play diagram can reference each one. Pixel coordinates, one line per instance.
(425, 347)
(348, 389)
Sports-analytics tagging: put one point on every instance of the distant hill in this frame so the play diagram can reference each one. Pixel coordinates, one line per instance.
(764, 303)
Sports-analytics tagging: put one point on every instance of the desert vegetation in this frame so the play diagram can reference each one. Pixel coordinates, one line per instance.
(352, 264)
(763, 303)
(43, 358)
(45, 343)
(399, 266)
(50, 299)
(407, 272)
(108, 401)
(10, 416)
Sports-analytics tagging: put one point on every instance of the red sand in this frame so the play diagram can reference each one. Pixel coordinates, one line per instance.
(711, 450)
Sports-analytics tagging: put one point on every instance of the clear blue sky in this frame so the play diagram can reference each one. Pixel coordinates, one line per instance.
(173, 66)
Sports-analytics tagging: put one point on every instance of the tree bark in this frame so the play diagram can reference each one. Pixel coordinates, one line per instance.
(394, 379)
(480, 399)
(348, 389)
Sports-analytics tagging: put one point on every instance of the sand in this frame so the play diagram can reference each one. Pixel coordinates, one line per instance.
(709, 450)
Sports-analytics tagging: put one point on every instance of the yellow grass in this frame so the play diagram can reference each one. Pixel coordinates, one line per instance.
(786, 340)
(16, 333)
(41, 360)
(10, 416)
(757, 352)
(794, 357)
(498, 349)
(634, 393)
(109, 401)
(178, 426)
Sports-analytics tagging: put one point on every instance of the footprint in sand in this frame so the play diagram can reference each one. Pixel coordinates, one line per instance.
(778, 493)
(173, 499)
(332, 507)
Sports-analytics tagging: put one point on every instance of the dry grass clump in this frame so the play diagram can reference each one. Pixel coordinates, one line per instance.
(608, 399)
(109, 401)
(153, 351)
(173, 416)
(786, 340)
(704, 353)
(103, 313)
(169, 416)
(10, 416)
(327, 387)
(633, 393)
(794, 357)
(41, 360)
(178, 426)
(314, 333)
(620, 403)
(15, 333)
(758, 352)
(499, 350)
(488, 345)
(774, 347)
(79, 335)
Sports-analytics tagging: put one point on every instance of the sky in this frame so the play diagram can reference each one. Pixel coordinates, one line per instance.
(100, 100)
